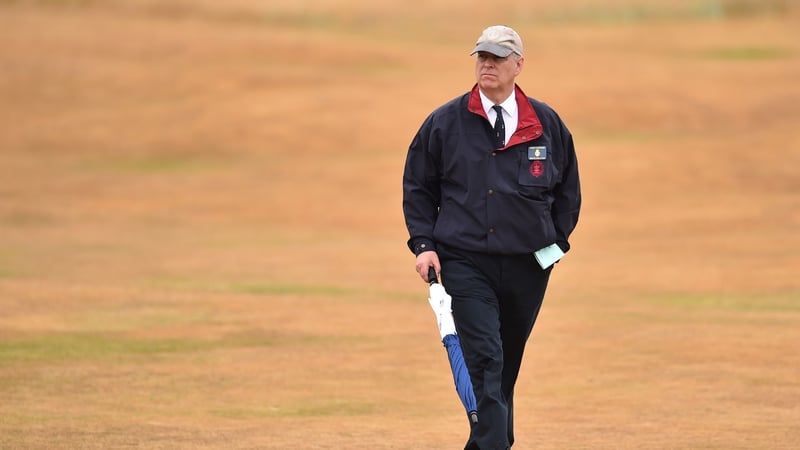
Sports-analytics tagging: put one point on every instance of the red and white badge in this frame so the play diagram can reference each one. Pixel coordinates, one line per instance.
(536, 169)
(538, 155)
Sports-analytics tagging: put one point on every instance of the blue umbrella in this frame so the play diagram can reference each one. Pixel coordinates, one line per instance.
(441, 302)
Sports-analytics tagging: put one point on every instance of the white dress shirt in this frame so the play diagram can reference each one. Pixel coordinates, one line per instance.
(510, 113)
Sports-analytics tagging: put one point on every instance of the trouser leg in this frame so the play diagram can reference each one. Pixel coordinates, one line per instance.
(523, 285)
(477, 316)
(495, 303)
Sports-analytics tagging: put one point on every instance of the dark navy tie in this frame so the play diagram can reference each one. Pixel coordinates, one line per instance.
(499, 127)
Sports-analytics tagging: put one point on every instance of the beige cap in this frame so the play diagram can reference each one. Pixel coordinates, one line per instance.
(499, 40)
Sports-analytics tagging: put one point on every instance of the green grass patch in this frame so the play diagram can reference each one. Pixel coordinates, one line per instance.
(255, 288)
(17, 418)
(642, 12)
(156, 164)
(6, 274)
(746, 53)
(105, 346)
(127, 319)
(60, 347)
(68, 3)
(787, 302)
(747, 8)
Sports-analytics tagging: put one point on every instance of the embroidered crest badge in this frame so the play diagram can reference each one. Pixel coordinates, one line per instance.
(537, 168)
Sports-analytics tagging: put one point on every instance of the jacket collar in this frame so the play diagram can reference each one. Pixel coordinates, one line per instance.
(528, 125)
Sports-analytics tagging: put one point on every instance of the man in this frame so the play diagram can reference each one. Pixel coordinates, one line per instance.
(490, 189)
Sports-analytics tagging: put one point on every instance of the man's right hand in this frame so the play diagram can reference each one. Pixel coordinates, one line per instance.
(426, 260)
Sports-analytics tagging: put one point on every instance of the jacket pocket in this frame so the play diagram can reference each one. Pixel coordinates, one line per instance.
(536, 167)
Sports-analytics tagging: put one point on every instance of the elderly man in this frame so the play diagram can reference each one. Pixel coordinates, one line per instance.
(490, 196)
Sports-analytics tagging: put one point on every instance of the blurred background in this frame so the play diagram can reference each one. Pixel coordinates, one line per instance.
(200, 217)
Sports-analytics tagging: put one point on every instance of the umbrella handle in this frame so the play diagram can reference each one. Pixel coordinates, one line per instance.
(432, 276)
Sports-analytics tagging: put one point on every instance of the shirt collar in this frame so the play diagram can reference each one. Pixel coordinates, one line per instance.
(509, 105)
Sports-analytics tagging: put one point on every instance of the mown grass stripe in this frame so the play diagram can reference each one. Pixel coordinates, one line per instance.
(100, 346)
(786, 302)
(750, 53)
(315, 408)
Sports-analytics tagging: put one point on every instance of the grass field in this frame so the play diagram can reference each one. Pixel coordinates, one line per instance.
(201, 241)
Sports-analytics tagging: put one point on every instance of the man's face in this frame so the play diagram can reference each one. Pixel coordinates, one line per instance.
(494, 73)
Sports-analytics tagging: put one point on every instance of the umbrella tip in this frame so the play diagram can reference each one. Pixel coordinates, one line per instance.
(473, 417)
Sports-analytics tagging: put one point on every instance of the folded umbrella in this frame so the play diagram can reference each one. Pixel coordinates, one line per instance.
(441, 303)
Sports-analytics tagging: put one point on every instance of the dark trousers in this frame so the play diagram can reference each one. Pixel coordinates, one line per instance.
(496, 299)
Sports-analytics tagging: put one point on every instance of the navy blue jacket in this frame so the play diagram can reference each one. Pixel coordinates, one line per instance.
(460, 191)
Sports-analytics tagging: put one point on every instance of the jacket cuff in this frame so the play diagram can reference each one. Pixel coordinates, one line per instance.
(423, 245)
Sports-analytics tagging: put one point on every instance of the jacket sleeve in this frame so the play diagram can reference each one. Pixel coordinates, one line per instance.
(421, 190)
(567, 203)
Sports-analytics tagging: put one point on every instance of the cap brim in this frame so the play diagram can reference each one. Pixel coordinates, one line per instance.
(497, 50)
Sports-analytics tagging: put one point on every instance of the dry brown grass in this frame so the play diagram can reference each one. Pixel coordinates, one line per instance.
(202, 247)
